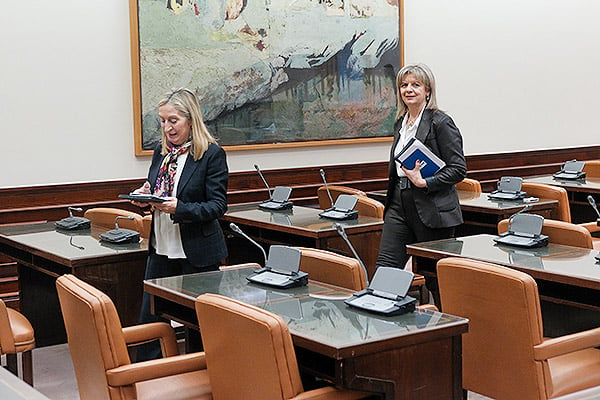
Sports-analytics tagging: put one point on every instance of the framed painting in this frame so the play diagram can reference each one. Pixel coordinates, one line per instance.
(269, 73)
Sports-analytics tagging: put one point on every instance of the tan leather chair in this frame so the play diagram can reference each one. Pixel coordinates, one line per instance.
(146, 226)
(335, 190)
(369, 207)
(250, 354)
(560, 232)
(98, 346)
(334, 269)
(105, 217)
(592, 169)
(505, 355)
(16, 336)
(563, 211)
(469, 185)
(540, 190)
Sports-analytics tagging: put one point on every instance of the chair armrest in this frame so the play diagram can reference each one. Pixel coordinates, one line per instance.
(138, 334)
(591, 226)
(146, 370)
(327, 393)
(567, 344)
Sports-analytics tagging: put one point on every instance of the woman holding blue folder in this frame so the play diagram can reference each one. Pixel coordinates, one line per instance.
(419, 206)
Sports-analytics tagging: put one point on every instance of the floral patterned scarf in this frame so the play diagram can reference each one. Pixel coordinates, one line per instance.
(166, 174)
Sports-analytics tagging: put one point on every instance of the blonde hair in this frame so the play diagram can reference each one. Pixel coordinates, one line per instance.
(186, 102)
(425, 76)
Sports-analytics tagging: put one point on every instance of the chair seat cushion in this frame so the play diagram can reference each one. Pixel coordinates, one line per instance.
(575, 371)
(22, 331)
(193, 385)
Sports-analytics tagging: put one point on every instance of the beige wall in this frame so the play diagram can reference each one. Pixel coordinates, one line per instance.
(515, 75)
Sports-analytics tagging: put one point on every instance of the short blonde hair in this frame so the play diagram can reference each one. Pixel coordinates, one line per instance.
(425, 76)
(186, 102)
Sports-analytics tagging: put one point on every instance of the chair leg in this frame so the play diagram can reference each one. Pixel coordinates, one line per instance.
(27, 364)
(12, 364)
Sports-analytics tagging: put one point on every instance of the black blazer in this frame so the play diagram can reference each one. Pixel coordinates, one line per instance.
(201, 201)
(437, 205)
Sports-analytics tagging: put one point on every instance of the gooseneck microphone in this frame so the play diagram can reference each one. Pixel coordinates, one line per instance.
(237, 230)
(342, 233)
(326, 186)
(521, 211)
(263, 179)
(592, 202)
(120, 217)
(71, 209)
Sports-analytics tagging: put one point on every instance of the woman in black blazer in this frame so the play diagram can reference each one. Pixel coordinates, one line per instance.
(189, 169)
(420, 209)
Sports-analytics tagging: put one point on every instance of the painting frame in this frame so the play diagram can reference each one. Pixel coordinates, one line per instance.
(137, 83)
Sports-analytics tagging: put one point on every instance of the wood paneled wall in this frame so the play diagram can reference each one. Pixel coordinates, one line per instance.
(39, 203)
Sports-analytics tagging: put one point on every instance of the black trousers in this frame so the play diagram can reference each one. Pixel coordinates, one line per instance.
(402, 226)
(160, 267)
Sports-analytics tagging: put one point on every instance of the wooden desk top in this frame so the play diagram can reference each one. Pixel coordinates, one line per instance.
(300, 220)
(68, 248)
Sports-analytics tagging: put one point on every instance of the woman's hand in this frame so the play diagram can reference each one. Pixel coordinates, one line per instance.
(169, 206)
(414, 175)
(144, 189)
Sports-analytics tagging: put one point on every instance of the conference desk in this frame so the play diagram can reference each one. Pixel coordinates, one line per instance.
(482, 214)
(411, 356)
(300, 226)
(567, 277)
(42, 254)
(578, 190)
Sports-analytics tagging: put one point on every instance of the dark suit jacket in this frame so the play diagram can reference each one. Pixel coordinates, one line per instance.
(201, 201)
(437, 205)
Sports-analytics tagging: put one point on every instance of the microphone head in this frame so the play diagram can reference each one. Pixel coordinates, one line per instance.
(235, 228)
(591, 200)
(322, 172)
(527, 207)
(256, 167)
(339, 228)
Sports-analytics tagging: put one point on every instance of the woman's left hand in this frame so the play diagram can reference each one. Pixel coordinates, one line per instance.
(414, 175)
(169, 206)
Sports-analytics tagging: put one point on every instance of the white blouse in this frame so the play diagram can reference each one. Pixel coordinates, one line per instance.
(167, 237)
(406, 133)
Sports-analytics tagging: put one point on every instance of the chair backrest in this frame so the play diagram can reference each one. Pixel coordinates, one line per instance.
(335, 269)
(505, 322)
(563, 211)
(7, 338)
(335, 190)
(469, 185)
(369, 207)
(105, 217)
(95, 337)
(146, 226)
(249, 351)
(592, 169)
(560, 232)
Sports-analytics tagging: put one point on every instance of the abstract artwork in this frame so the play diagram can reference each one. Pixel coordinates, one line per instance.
(270, 71)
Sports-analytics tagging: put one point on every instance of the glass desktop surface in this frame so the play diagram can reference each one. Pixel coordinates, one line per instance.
(591, 184)
(68, 245)
(233, 283)
(481, 200)
(332, 322)
(298, 217)
(482, 247)
(316, 311)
